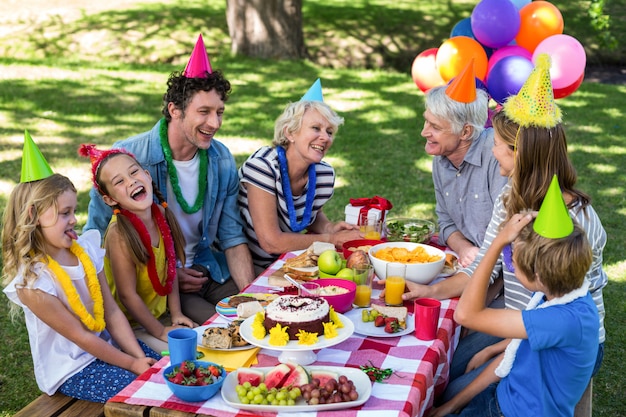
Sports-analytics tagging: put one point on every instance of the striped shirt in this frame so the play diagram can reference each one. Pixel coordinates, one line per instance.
(515, 295)
(262, 170)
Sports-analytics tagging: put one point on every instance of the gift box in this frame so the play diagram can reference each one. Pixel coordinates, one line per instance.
(376, 207)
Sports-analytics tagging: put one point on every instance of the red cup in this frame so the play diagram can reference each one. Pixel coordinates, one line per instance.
(426, 316)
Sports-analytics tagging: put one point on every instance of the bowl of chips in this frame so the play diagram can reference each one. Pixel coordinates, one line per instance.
(423, 262)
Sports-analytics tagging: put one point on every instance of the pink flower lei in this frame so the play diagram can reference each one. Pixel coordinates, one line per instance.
(170, 254)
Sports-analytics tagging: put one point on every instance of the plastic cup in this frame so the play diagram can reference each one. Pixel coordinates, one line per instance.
(426, 316)
(370, 226)
(309, 289)
(395, 283)
(182, 344)
(363, 277)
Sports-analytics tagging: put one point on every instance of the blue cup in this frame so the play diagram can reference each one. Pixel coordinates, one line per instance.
(182, 344)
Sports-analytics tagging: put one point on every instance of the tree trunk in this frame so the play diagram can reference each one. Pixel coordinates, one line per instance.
(266, 28)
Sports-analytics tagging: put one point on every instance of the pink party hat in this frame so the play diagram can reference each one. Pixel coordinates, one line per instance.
(34, 165)
(463, 87)
(553, 220)
(314, 93)
(198, 64)
(96, 156)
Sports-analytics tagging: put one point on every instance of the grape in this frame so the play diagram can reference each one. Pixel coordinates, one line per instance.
(247, 385)
(334, 391)
(261, 395)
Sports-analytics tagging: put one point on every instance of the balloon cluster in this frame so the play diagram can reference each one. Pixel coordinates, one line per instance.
(504, 37)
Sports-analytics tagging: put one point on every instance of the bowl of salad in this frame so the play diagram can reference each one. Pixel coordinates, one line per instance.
(404, 229)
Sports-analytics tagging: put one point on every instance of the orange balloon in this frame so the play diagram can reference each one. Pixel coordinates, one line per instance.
(424, 70)
(455, 53)
(539, 20)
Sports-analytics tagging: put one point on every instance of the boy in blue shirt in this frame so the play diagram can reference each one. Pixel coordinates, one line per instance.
(548, 364)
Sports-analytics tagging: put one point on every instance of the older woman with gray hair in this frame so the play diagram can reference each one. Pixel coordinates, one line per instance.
(466, 175)
(284, 187)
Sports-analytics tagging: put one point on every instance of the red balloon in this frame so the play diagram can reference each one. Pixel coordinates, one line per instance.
(566, 91)
(424, 70)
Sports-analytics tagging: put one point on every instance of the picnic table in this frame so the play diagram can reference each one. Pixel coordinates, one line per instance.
(420, 371)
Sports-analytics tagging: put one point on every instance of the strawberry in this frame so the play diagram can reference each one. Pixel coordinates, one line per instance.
(392, 326)
(379, 321)
(390, 319)
(187, 368)
(176, 378)
(215, 370)
(201, 372)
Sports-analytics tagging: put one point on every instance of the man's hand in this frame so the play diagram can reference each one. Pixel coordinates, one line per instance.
(190, 280)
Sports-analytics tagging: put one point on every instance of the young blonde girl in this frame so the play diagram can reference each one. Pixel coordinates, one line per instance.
(81, 342)
(143, 242)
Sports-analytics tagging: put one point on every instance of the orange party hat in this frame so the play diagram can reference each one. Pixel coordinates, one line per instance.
(534, 103)
(34, 165)
(463, 87)
(198, 64)
(553, 220)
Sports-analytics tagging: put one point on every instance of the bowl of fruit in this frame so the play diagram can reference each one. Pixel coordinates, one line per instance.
(194, 380)
(404, 229)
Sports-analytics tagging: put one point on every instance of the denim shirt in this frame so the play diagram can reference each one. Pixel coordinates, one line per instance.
(222, 226)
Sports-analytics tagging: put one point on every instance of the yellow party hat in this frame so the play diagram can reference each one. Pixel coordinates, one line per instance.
(534, 103)
(34, 165)
(553, 220)
(463, 87)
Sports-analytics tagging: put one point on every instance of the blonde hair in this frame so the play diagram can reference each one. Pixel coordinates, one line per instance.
(291, 119)
(23, 243)
(561, 264)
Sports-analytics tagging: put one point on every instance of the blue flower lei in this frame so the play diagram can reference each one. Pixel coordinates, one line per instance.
(310, 194)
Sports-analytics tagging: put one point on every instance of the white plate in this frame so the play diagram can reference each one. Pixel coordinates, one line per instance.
(322, 342)
(361, 381)
(200, 331)
(230, 313)
(368, 329)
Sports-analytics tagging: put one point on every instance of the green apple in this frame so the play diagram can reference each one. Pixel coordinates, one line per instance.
(329, 261)
(346, 273)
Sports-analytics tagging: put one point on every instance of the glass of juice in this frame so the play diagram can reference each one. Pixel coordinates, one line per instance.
(395, 283)
(363, 277)
(370, 226)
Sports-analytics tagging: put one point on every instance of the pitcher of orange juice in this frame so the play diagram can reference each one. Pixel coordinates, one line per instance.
(370, 226)
(395, 283)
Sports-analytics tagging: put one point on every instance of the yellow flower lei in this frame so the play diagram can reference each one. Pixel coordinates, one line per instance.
(96, 322)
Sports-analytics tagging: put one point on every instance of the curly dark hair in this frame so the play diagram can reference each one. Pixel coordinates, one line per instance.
(180, 89)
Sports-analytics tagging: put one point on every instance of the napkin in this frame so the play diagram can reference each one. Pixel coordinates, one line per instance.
(231, 360)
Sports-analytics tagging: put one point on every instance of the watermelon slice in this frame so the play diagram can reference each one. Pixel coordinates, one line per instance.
(275, 376)
(323, 376)
(298, 377)
(251, 375)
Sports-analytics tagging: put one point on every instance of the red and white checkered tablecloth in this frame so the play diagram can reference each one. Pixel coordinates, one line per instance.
(420, 370)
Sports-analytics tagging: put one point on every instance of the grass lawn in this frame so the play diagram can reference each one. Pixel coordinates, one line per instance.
(96, 74)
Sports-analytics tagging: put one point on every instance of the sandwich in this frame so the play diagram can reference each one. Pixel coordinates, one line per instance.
(398, 312)
(304, 266)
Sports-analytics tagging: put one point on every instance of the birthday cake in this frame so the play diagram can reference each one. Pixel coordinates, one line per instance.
(297, 313)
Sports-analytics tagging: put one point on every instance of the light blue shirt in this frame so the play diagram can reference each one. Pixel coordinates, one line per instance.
(222, 227)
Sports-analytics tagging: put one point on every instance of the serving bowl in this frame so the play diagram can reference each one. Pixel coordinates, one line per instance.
(421, 273)
(405, 229)
(194, 393)
(352, 245)
(340, 302)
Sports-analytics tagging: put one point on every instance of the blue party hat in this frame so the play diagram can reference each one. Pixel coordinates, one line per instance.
(314, 93)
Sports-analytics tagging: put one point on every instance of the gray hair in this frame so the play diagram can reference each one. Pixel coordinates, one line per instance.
(459, 114)
(291, 119)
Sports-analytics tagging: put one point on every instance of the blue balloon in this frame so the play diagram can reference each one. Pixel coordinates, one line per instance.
(495, 23)
(463, 28)
(508, 76)
(520, 3)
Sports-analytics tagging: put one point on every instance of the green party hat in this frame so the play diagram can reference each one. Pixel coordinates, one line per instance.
(34, 165)
(553, 220)
(314, 93)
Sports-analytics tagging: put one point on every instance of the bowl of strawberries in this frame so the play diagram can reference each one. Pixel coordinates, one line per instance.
(194, 381)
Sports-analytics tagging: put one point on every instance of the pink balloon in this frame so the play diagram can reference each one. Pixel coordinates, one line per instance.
(424, 70)
(511, 50)
(568, 59)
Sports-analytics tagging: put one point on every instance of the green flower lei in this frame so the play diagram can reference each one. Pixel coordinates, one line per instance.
(171, 169)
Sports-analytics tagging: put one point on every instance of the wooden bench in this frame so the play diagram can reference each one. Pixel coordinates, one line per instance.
(58, 405)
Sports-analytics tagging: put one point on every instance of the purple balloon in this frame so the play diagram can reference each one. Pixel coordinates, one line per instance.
(495, 23)
(508, 76)
(509, 50)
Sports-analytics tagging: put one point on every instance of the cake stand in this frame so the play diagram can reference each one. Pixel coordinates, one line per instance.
(293, 352)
